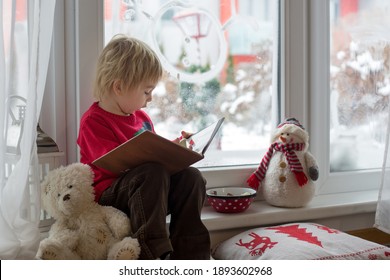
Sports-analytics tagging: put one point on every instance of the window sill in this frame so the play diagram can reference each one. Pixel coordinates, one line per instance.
(322, 206)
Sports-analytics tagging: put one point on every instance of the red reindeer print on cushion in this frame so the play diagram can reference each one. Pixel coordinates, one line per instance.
(329, 230)
(257, 245)
(298, 233)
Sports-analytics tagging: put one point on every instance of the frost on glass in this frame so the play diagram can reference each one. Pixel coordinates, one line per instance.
(359, 85)
(217, 57)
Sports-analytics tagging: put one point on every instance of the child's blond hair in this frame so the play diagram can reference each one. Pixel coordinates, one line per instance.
(126, 59)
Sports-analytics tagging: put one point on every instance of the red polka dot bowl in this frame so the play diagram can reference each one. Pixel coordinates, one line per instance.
(230, 199)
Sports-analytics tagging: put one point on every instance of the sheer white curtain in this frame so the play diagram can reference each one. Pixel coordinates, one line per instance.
(382, 217)
(25, 39)
(380, 34)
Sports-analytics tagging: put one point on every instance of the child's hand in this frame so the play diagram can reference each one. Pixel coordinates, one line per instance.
(186, 135)
(182, 140)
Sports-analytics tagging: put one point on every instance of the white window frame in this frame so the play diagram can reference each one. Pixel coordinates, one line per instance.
(304, 86)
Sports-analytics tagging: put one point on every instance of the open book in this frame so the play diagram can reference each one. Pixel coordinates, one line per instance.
(150, 147)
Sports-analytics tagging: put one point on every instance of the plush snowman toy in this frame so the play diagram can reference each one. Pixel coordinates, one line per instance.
(287, 171)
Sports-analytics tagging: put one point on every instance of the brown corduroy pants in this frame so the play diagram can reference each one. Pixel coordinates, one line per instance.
(147, 194)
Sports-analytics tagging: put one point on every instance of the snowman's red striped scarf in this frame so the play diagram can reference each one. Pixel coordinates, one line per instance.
(292, 160)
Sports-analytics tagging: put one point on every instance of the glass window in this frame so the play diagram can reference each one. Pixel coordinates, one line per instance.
(245, 84)
(218, 61)
(359, 83)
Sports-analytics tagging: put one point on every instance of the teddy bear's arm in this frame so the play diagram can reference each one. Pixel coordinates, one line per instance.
(312, 166)
(64, 235)
(117, 221)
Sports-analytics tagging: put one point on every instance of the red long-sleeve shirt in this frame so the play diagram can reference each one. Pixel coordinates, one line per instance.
(100, 132)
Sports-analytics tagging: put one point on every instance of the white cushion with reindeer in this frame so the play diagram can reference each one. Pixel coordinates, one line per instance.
(298, 241)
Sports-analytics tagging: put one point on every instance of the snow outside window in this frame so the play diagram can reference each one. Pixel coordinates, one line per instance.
(218, 60)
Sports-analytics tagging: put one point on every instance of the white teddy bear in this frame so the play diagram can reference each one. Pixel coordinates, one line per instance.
(288, 170)
(83, 229)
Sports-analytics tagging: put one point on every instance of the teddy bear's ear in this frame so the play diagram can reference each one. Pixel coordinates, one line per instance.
(84, 169)
(46, 189)
(87, 170)
(46, 185)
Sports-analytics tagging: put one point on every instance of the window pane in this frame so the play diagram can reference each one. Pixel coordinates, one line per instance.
(360, 83)
(218, 59)
(16, 48)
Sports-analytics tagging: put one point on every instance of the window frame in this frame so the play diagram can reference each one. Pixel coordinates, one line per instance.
(304, 86)
(319, 86)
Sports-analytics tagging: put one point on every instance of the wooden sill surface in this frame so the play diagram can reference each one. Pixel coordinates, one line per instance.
(372, 234)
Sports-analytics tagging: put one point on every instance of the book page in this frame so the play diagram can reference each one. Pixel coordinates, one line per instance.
(202, 139)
